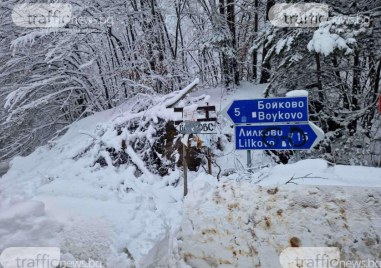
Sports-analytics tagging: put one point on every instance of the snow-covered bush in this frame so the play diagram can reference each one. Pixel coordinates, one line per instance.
(143, 135)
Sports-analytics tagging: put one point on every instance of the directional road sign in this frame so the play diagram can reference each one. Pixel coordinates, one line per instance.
(272, 110)
(277, 137)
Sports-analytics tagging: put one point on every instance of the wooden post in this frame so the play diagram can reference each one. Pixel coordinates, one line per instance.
(209, 161)
(185, 170)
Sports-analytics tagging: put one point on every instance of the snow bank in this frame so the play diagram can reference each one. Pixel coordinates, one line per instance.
(238, 224)
(60, 196)
(312, 172)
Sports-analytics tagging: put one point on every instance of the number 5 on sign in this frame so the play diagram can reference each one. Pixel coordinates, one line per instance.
(237, 112)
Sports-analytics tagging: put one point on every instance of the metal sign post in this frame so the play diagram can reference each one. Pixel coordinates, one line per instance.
(248, 159)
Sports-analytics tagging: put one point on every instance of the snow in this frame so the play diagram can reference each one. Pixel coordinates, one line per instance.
(283, 42)
(238, 224)
(89, 211)
(87, 64)
(57, 196)
(172, 101)
(297, 93)
(325, 42)
(222, 99)
(321, 173)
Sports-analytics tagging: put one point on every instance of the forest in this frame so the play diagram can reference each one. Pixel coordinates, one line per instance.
(115, 50)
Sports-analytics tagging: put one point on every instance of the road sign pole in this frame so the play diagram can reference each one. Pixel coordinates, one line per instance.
(297, 156)
(248, 159)
(185, 170)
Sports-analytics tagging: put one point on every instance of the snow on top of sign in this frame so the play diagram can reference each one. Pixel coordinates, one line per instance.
(297, 93)
(190, 108)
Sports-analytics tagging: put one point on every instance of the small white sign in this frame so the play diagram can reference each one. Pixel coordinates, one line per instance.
(190, 113)
(189, 127)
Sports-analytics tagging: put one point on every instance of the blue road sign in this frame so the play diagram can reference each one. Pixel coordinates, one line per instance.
(277, 137)
(274, 110)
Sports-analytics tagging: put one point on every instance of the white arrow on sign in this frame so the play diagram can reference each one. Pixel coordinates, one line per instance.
(319, 133)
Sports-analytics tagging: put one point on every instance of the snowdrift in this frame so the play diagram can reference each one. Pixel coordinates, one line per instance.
(96, 192)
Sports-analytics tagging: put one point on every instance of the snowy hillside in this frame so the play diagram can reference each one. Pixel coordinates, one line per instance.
(128, 216)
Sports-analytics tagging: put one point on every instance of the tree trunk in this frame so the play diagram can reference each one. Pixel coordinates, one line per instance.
(233, 66)
(352, 126)
(265, 72)
(224, 60)
(255, 52)
(318, 78)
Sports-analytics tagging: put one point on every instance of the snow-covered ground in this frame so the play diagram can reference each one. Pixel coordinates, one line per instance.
(58, 197)
(238, 224)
